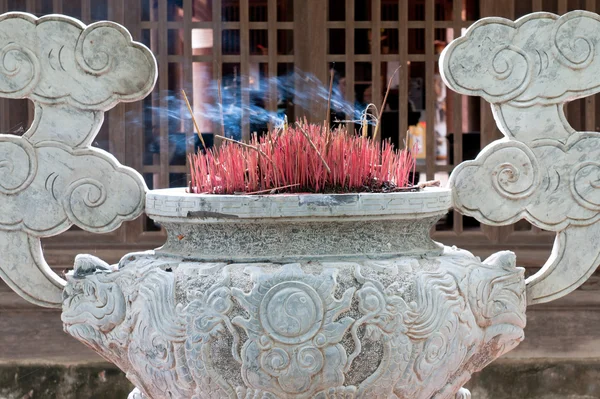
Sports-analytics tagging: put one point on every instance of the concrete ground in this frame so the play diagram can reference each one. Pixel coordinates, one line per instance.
(501, 380)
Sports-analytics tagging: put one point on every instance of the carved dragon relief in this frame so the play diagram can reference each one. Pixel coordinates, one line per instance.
(214, 330)
(542, 170)
(51, 178)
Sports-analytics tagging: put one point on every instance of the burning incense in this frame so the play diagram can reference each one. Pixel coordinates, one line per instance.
(383, 104)
(221, 107)
(328, 119)
(251, 147)
(352, 164)
(187, 102)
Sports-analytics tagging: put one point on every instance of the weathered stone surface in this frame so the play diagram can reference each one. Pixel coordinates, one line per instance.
(174, 204)
(543, 170)
(414, 326)
(289, 228)
(51, 177)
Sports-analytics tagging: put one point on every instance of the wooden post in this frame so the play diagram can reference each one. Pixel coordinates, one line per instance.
(310, 42)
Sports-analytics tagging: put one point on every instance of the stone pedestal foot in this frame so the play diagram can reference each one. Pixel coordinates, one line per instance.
(137, 394)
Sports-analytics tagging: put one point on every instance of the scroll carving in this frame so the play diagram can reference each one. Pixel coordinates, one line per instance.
(293, 345)
(542, 171)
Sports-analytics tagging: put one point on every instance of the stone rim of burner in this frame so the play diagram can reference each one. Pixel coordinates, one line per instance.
(313, 226)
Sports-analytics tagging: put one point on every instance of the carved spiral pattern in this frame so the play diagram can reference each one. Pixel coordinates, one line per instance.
(95, 193)
(18, 165)
(205, 322)
(92, 55)
(436, 348)
(502, 63)
(517, 178)
(220, 300)
(82, 198)
(370, 300)
(575, 51)
(310, 359)
(161, 352)
(585, 57)
(509, 66)
(21, 68)
(585, 184)
(275, 361)
(320, 340)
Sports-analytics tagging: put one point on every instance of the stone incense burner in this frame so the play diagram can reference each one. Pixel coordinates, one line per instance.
(299, 296)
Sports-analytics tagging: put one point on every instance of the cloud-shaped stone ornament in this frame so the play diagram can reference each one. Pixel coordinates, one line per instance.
(543, 170)
(552, 185)
(59, 187)
(57, 59)
(522, 62)
(50, 178)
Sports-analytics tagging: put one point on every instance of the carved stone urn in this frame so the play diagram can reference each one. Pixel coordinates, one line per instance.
(298, 296)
